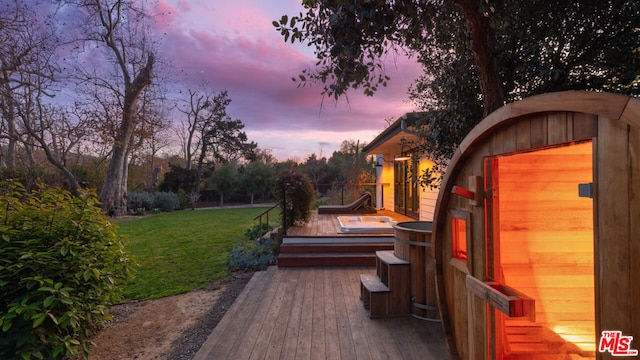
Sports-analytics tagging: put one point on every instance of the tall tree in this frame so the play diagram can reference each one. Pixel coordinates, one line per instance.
(224, 180)
(508, 49)
(314, 168)
(219, 139)
(14, 50)
(257, 177)
(194, 108)
(123, 27)
(56, 134)
(28, 69)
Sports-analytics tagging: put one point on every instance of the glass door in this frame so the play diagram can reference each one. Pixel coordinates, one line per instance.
(540, 243)
(406, 192)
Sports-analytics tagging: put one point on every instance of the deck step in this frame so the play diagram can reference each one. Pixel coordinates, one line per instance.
(374, 295)
(333, 248)
(326, 259)
(372, 283)
(389, 257)
(319, 254)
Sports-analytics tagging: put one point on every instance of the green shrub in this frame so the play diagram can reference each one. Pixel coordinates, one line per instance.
(61, 265)
(320, 202)
(166, 201)
(253, 232)
(139, 200)
(295, 194)
(254, 255)
(183, 198)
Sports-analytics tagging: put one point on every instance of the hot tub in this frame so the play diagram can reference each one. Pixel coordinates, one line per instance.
(366, 224)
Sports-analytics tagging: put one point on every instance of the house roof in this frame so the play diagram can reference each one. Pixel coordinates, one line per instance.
(389, 140)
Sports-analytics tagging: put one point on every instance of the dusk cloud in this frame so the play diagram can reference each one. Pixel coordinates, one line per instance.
(234, 47)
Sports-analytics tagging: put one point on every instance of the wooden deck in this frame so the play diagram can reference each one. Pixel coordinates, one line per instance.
(326, 225)
(316, 313)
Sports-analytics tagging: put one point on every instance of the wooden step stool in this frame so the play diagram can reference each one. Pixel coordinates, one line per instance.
(388, 291)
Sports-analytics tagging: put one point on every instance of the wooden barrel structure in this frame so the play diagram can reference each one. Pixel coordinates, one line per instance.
(413, 244)
(536, 230)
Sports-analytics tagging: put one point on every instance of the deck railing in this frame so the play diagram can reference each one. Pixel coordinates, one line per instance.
(347, 196)
(266, 215)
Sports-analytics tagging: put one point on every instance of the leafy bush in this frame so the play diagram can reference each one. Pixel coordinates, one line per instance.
(166, 201)
(183, 198)
(140, 200)
(253, 232)
(321, 202)
(254, 255)
(61, 264)
(295, 194)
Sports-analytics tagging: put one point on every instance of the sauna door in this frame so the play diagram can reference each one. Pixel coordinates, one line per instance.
(540, 243)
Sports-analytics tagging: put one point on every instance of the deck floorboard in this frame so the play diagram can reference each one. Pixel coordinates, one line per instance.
(325, 225)
(316, 313)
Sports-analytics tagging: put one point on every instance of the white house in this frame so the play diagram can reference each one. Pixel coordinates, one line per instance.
(397, 160)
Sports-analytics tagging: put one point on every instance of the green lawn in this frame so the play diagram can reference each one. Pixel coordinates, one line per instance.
(184, 250)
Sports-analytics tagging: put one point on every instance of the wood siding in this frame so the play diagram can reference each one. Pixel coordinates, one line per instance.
(428, 196)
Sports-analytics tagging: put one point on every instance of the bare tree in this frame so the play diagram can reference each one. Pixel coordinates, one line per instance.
(151, 135)
(14, 50)
(29, 66)
(57, 135)
(26, 71)
(194, 108)
(208, 134)
(122, 26)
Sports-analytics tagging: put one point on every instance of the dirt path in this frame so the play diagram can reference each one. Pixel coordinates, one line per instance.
(168, 328)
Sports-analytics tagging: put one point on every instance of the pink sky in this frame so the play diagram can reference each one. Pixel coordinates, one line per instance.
(233, 46)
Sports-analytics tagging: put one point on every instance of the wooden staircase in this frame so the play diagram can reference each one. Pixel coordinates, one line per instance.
(388, 291)
(330, 254)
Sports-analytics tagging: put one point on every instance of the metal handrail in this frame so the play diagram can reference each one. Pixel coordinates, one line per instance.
(266, 212)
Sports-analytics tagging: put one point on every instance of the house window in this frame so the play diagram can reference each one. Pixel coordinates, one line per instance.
(406, 192)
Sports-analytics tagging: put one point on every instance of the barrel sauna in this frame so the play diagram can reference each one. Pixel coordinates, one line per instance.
(413, 244)
(536, 231)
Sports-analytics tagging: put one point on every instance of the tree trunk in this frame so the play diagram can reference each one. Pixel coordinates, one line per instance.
(203, 154)
(483, 45)
(221, 200)
(155, 178)
(114, 188)
(8, 113)
(111, 194)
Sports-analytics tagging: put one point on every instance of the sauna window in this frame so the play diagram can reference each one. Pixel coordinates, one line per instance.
(459, 233)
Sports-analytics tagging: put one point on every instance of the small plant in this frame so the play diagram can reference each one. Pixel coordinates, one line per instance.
(139, 212)
(61, 264)
(254, 255)
(254, 232)
(140, 200)
(193, 199)
(166, 201)
(155, 211)
(320, 202)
